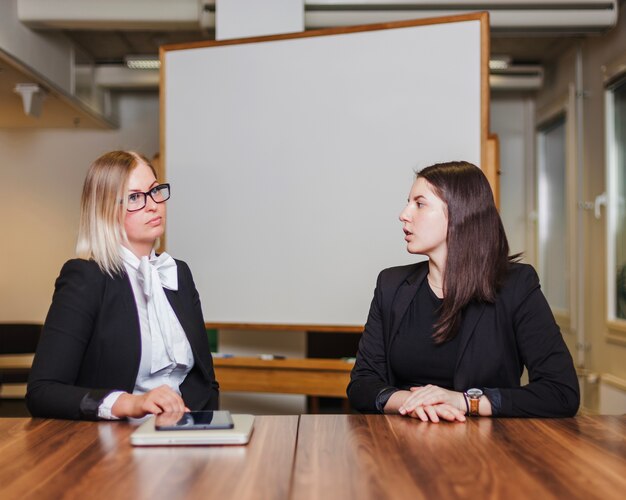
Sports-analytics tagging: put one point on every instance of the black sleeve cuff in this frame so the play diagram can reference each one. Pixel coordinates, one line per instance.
(495, 398)
(91, 402)
(383, 396)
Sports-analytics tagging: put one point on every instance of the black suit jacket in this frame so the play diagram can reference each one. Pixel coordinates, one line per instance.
(90, 345)
(496, 341)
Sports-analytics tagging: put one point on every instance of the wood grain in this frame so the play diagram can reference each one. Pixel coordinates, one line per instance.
(16, 361)
(63, 459)
(492, 167)
(263, 327)
(313, 377)
(485, 93)
(323, 457)
(375, 456)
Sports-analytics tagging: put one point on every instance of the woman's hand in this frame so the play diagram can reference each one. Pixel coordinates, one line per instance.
(400, 400)
(436, 413)
(395, 402)
(424, 402)
(170, 418)
(158, 400)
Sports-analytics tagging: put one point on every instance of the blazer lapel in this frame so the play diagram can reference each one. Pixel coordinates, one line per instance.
(173, 298)
(134, 341)
(403, 298)
(471, 316)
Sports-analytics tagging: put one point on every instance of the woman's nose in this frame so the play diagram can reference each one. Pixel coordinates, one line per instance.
(403, 215)
(150, 204)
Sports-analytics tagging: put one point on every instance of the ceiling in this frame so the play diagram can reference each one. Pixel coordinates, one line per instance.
(110, 47)
(104, 47)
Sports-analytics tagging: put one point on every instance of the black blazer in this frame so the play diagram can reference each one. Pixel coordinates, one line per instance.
(497, 341)
(91, 344)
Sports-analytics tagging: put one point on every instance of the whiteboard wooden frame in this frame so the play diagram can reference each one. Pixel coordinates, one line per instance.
(487, 158)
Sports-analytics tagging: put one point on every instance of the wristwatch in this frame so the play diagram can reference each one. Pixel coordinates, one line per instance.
(473, 395)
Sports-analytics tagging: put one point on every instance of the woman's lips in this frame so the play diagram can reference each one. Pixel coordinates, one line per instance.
(154, 222)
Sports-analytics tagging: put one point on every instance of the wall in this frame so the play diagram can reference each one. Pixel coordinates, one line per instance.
(601, 353)
(511, 118)
(42, 172)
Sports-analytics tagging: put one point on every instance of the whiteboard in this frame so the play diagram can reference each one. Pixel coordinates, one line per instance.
(291, 158)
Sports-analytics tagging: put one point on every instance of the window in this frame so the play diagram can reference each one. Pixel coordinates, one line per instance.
(616, 188)
(553, 255)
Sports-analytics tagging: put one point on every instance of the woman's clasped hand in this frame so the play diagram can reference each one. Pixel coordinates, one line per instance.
(429, 403)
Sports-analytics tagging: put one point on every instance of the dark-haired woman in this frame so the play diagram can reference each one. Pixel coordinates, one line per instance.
(451, 336)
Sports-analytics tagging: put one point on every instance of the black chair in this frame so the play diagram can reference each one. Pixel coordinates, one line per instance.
(17, 338)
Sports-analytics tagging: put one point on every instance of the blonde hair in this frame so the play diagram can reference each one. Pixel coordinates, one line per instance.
(103, 208)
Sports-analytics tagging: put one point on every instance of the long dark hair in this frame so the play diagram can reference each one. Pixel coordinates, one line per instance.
(478, 251)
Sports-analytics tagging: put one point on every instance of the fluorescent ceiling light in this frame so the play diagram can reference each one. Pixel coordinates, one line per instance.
(499, 62)
(142, 62)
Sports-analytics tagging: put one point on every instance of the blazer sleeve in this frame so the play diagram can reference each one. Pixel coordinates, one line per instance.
(552, 390)
(52, 391)
(369, 375)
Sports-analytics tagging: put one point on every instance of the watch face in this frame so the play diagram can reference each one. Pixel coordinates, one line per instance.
(474, 393)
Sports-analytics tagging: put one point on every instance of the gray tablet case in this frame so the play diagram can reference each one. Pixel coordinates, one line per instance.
(147, 435)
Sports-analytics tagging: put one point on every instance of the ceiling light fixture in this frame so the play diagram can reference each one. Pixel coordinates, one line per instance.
(142, 62)
(499, 62)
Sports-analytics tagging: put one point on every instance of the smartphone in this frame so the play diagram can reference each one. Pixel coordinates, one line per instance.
(191, 420)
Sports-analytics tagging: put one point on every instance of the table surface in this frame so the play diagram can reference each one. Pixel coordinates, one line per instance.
(323, 457)
(383, 457)
(63, 459)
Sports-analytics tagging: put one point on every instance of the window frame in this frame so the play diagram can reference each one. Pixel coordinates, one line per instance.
(558, 117)
(615, 77)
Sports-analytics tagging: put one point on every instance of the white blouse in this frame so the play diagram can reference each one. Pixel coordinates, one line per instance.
(166, 356)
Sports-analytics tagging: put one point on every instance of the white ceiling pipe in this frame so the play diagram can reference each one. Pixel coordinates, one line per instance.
(110, 14)
(118, 77)
(553, 16)
(515, 82)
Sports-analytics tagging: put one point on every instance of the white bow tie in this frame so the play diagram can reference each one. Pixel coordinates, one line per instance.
(161, 268)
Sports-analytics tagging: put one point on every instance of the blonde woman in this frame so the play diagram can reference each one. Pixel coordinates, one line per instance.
(125, 333)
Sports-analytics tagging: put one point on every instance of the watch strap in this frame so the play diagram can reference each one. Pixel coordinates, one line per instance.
(474, 407)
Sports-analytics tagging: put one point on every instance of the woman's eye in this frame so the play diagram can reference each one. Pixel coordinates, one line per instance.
(419, 204)
(133, 198)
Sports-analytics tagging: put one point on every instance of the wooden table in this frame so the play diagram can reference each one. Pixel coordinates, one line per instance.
(323, 457)
(380, 457)
(87, 460)
(310, 376)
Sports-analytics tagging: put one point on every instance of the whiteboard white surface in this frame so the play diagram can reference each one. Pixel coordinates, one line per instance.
(290, 161)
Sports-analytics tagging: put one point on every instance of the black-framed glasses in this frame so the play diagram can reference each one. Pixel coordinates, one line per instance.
(136, 201)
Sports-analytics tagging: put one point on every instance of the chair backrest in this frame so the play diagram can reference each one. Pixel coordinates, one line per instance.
(19, 338)
(15, 339)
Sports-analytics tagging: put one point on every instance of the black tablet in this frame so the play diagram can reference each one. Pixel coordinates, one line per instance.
(186, 421)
